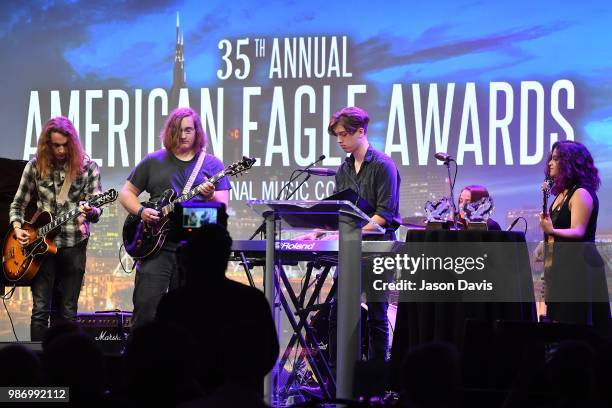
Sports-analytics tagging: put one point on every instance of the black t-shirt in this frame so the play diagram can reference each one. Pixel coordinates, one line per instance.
(161, 170)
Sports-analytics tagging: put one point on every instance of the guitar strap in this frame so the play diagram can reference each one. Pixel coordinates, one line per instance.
(61, 198)
(194, 173)
(555, 213)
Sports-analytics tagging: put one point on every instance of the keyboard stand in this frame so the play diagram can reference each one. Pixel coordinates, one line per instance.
(347, 219)
(308, 343)
(310, 348)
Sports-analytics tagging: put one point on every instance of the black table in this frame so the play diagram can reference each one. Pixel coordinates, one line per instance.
(422, 322)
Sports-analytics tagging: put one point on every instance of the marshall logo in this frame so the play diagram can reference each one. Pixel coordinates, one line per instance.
(108, 329)
(105, 336)
(295, 246)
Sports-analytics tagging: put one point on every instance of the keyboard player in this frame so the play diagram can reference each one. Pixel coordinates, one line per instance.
(374, 176)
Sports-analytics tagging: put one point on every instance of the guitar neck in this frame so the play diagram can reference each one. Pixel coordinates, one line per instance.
(545, 212)
(57, 222)
(168, 208)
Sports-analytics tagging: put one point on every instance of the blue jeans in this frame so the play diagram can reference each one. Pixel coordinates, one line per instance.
(154, 276)
(56, 288)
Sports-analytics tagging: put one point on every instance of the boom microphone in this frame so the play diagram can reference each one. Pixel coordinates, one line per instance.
(321, 171)
(320, 159)
(443, 157)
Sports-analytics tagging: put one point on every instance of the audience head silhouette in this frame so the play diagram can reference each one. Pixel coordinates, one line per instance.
(431, 375)
(161, 361)
(21, 367)
(74, 360)
(571, 371)
(205, 255)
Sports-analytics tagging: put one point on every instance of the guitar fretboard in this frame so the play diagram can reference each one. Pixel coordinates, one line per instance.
(97, 201)
(545, 194)
(168, 208)
(62, 219)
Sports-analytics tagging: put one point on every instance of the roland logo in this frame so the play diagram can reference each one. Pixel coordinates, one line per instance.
(295, 246)
(105, 336)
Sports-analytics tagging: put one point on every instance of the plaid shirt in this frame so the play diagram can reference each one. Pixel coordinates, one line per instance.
(83, 186)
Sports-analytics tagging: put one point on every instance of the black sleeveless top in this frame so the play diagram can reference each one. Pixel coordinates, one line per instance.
(562, 217)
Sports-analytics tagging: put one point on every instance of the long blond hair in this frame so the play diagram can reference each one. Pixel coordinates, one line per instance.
(74, 149)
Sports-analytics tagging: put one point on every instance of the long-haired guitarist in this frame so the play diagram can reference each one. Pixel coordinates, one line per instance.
(185, 141)
(59, 164)
(576, 275)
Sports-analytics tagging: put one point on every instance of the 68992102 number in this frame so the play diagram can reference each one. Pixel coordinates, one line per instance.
(34, 394)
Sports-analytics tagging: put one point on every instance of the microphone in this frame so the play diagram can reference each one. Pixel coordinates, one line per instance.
(320, 159)
(446, 159)
(443, 157)
(321, 171)
(294, 175)
(516, 220)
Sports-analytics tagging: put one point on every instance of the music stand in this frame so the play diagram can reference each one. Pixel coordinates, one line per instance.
(348, 220)
(349, 194)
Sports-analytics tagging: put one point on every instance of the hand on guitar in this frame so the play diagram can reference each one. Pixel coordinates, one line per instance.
(207, 190)
(546, 224)
(150, 216)
(23, 237)
(89, 211)
(538, 253)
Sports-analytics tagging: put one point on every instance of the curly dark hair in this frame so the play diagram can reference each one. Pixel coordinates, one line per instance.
(576, 167)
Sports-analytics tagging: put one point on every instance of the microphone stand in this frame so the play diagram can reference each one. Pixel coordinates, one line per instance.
(262, 226)
(261, 230)
(451, 186)
(287, 197)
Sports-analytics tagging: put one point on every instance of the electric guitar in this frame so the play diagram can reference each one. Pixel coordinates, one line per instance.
(21, 263)
(142, 240)
(548, 239)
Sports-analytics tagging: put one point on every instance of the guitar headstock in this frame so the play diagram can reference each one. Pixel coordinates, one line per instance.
(240, 167)
(547, 186)
(104, 198)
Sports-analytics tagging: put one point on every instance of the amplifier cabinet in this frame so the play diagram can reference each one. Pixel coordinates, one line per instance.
(108, 329)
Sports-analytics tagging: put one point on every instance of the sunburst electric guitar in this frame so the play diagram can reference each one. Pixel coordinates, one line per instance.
(21, 263)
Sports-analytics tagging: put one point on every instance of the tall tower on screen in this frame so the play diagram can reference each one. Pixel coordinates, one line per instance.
(178, 72)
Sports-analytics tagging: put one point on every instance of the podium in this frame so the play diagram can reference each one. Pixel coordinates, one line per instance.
(347, 219)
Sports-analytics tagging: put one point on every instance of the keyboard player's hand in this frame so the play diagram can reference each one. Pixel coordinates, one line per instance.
(331, 236)
(311, 236)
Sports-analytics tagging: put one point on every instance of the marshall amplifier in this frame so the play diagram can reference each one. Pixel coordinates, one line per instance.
(109, 329)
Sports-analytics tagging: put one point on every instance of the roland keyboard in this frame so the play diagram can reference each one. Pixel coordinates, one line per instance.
(307, 250)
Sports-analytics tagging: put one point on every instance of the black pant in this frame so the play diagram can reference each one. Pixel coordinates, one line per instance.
(378, 331)
(378, 324)
(56, 288)
(154, 276)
